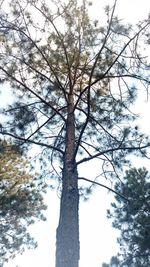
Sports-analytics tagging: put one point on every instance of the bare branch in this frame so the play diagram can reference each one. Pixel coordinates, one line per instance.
(43, 124)
(96, 121)
(111, 150)
(25, 140)
(102, 185)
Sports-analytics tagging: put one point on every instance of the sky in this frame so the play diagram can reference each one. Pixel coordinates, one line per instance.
(98, 239)
(129, 10)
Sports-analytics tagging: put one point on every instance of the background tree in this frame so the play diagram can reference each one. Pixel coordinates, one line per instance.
(21, 203)
(132, 218)
(73, 81)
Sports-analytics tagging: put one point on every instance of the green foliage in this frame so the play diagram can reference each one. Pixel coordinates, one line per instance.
(133, 220)
(13, 169)
(21, 203)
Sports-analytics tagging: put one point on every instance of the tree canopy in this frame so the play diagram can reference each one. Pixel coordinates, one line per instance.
(132, 218)
(66, 53)
(21, 203)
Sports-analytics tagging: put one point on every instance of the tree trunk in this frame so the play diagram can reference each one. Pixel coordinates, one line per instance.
(67, 238)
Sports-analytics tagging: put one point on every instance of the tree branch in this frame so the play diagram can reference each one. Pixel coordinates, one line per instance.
(32, 92)
(119, 55)
(90, 82)
(104, 75)
(32, 141)
(105, 186)
(14, 28)
(42, 125)
(111, 150)
(63, 44)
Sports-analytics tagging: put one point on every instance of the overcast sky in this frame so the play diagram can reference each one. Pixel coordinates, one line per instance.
(96, 235)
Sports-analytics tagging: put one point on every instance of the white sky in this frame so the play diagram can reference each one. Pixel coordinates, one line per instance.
(97, 238)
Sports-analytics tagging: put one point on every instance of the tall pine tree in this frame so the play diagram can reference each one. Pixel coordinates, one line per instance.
(73, 81)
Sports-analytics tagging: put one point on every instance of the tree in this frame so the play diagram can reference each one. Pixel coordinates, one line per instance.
(20, 205)
(132, 218)
(73, 81)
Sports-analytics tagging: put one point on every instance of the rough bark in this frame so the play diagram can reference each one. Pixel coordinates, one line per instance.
(67, 238)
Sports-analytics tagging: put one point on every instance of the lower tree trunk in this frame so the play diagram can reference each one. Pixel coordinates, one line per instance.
(67, 238)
